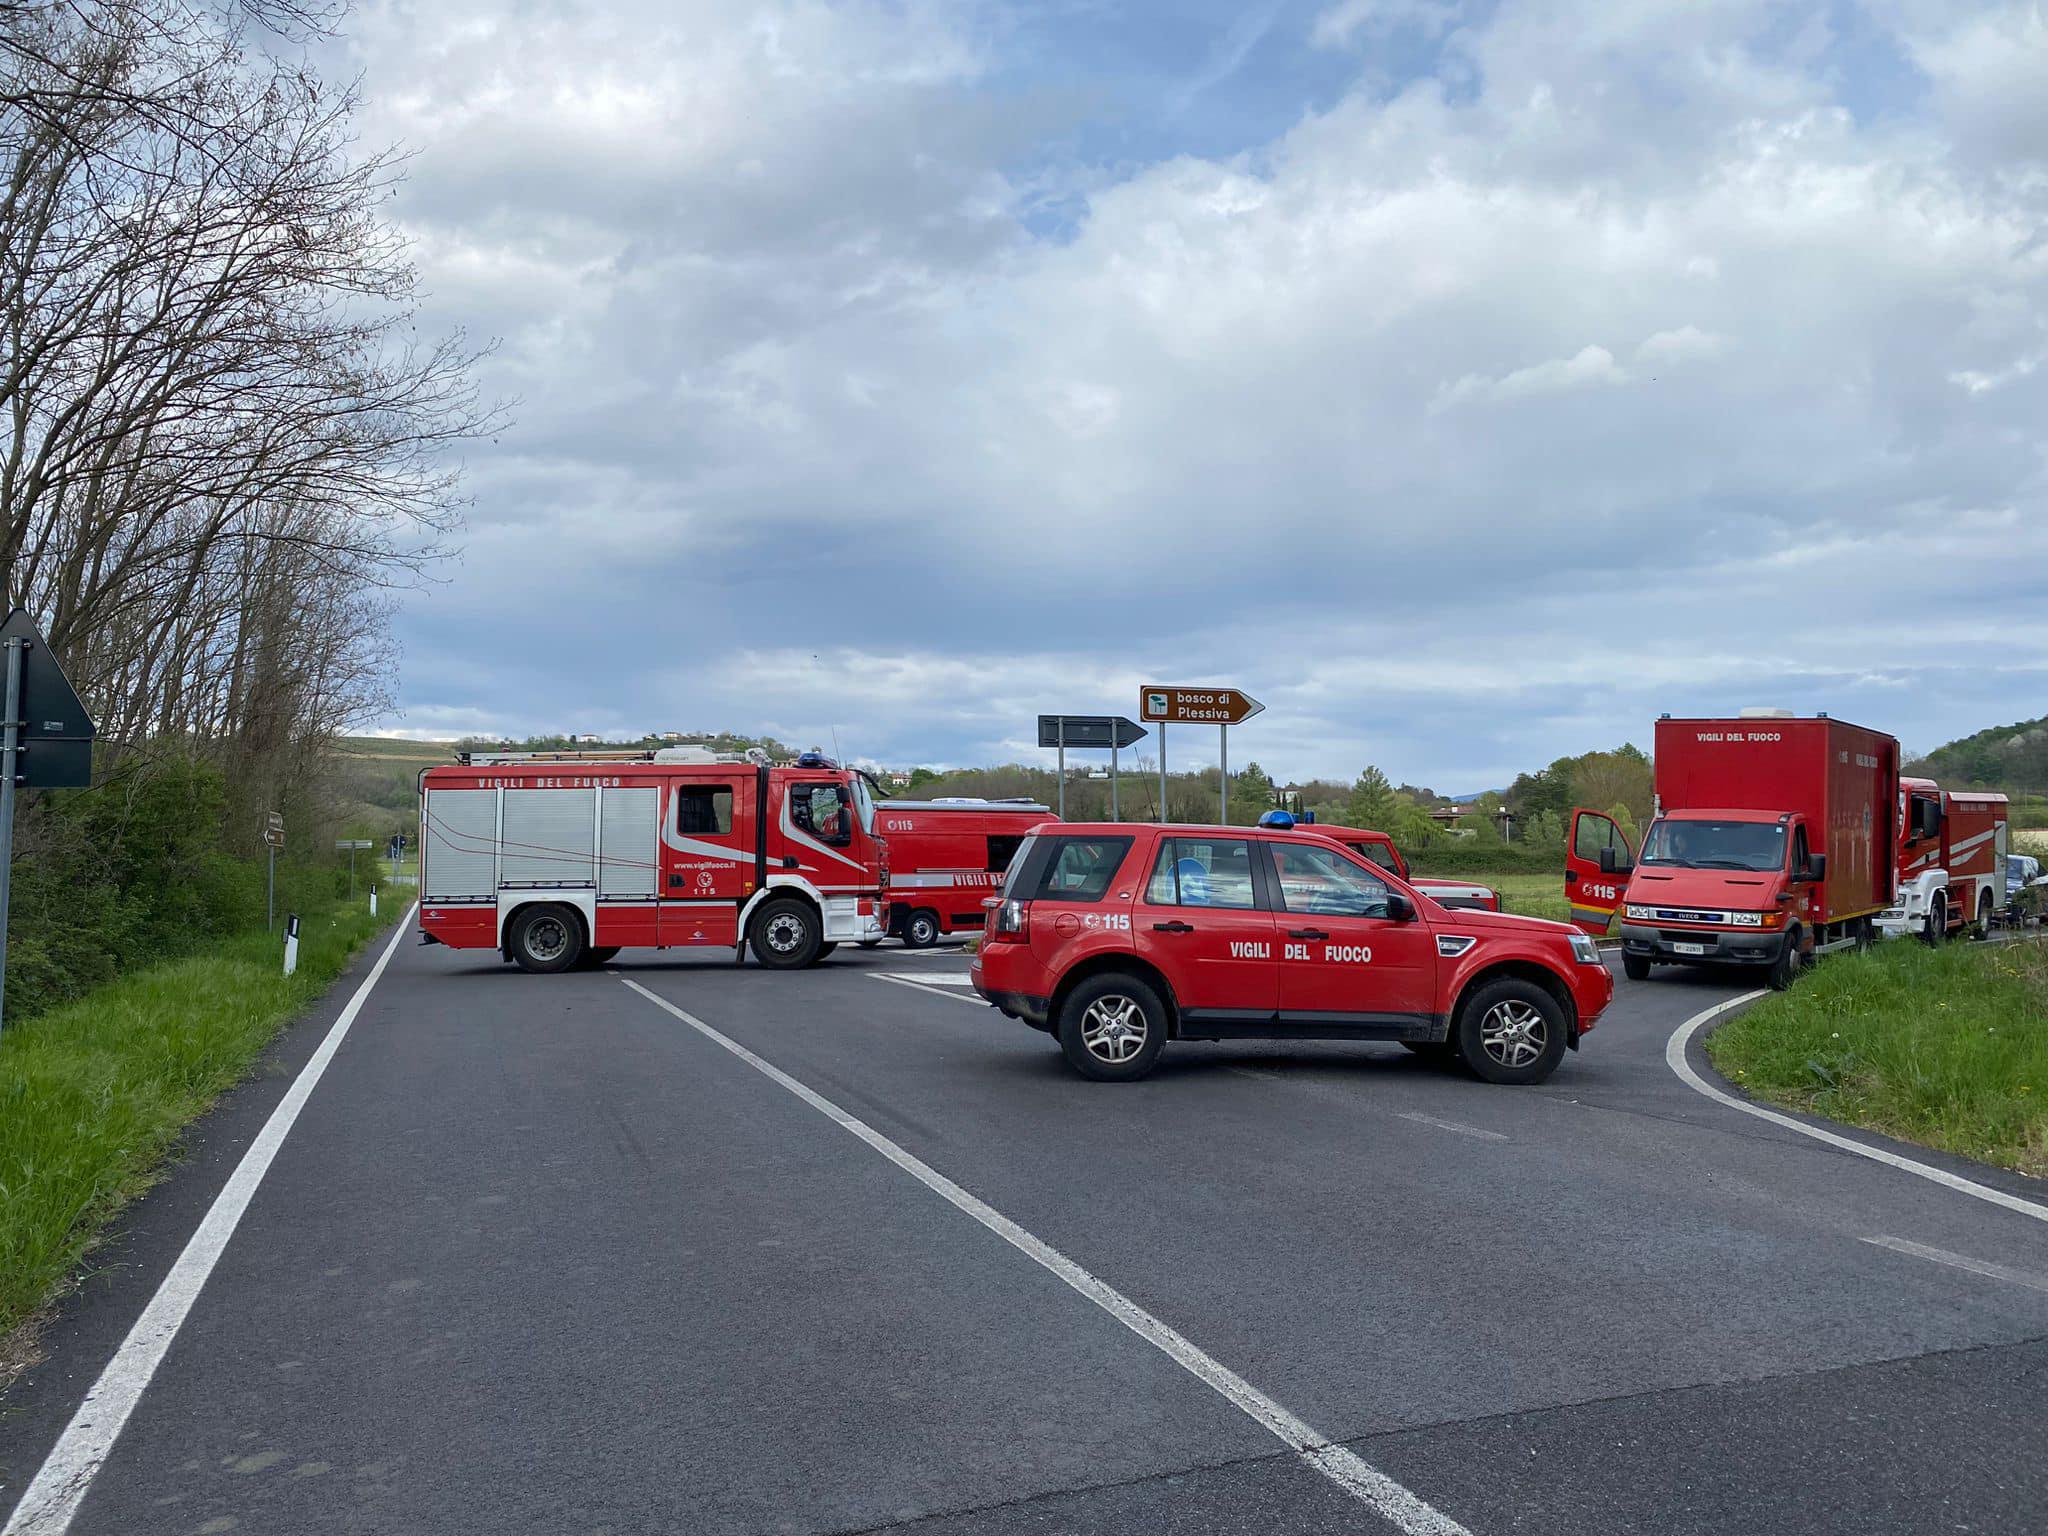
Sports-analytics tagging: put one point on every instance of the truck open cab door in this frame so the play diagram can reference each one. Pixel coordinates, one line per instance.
(1597, 861)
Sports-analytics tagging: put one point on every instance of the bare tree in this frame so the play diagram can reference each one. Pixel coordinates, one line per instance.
(217, 445)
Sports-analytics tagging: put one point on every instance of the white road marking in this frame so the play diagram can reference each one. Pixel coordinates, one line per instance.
(956, 979)
(52, 1500)
(1452, 1125)
(1674, 1057)
(1960, 1261)
(1385, 1497)
(972, 999)
(1350, 1101)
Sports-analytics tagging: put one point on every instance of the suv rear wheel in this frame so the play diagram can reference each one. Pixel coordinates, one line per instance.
(1112, 1028)
(1511, 1031)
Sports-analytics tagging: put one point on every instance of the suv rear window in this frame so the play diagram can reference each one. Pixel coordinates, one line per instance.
(1065, 868)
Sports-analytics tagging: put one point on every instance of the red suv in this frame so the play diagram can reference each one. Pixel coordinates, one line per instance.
(1116, 937)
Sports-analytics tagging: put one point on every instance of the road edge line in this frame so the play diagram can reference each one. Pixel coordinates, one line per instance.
(1674, 1058)
(60, 1485)
(1388, 1499)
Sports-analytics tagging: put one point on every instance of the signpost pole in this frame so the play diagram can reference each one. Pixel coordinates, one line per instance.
(1114, 814)
(351, 871)
(1063, 767)
(10, 759)
(1162, 770)
(1223, 777)
(270, 900)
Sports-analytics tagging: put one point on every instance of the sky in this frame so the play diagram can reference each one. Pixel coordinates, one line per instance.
(1469, 382)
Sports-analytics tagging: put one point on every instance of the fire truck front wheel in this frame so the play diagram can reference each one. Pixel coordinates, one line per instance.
(546, 939)
(921, 929)
(786, 934)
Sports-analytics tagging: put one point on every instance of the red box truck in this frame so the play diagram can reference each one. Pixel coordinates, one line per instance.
(946, 857)
(1775, 840)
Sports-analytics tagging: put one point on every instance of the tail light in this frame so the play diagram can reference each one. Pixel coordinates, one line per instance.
(1012, 923)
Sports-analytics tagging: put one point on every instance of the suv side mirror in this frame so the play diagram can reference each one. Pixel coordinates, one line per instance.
(1816, 867)
(1399, 908)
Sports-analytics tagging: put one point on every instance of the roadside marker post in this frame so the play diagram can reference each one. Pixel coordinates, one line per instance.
(291, 943)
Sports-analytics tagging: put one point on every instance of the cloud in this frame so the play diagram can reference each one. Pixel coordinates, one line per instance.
(1475, 418)
(1348, 21)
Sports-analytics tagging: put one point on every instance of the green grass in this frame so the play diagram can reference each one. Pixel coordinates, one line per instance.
(1947, 1047)
(1531, 895)
(94, 1093)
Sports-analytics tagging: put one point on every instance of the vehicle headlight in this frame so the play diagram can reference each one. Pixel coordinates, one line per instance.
(1745, 919)
(1584, 950)
(1641, 914)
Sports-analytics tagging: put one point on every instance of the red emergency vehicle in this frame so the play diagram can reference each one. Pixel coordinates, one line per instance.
(1116, 937)
(1952, 847)
(1774, 842)
(1378, 848)
(560, 859)
(946, 857)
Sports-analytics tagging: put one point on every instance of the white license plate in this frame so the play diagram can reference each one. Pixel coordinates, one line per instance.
(1689, 949)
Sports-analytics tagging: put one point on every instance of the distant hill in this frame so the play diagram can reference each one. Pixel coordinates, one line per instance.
(377, 781)
(2013, 758)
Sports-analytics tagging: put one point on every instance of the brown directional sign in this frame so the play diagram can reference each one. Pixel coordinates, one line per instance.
(1196, 706)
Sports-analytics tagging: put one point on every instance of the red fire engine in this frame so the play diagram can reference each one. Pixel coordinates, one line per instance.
(1952, 846)
(946, 857)
(560, 859)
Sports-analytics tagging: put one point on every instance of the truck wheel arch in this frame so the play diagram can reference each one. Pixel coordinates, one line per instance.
(508, 919)
(1521, 970)
(1127, 963)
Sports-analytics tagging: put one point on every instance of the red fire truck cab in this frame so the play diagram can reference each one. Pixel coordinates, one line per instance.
(1116, 937)
(562, 859)
(1774, 842)
(1952, 847)
(945, 858)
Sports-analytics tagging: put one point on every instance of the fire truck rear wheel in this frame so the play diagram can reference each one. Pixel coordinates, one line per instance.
(827, 947)
(1112, 1028)
(1510, 1031)
(547, 938)
(786, 934)
(921, 929)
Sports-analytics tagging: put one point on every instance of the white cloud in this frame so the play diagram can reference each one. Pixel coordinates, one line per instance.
(1730, 354)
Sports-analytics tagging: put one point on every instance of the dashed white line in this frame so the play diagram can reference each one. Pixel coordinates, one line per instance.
(1961, 1261)
(1452, 1125)
(928, 991)
(1386, 1498)
(52, 1500)
(1674, 1057)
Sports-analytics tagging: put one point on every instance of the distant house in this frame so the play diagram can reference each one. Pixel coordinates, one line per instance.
(670, 737)
(587, 739)
(897, 778)
(1447, 814)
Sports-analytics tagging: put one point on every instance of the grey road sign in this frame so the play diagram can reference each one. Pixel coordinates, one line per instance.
(1100, 732)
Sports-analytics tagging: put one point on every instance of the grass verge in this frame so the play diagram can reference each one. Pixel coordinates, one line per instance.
(94, 1093)
(1947, 1047)
(1531, 895)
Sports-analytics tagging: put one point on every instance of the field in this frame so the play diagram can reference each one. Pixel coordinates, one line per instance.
(2032, 840)
(1940, 1046)
(377, 779)
(1531, 895)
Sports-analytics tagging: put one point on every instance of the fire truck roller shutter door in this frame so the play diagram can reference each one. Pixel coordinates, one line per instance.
(461, 838)
(628, 850)
(550, 837)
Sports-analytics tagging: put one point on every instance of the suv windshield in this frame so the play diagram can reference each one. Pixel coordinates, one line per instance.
(1752, 845)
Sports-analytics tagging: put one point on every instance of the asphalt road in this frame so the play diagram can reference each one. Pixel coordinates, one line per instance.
(538, 1255)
